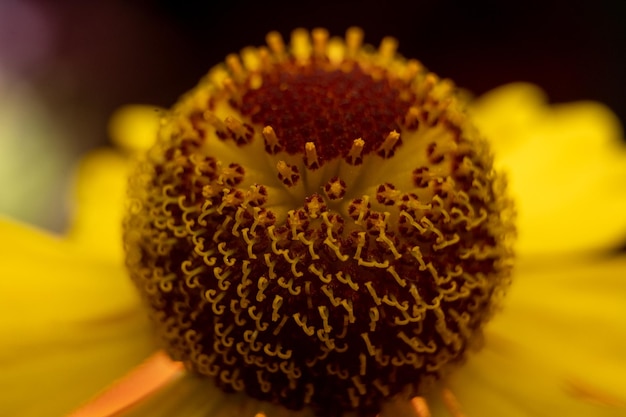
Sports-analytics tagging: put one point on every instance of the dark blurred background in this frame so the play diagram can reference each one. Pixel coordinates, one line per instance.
(66, 65)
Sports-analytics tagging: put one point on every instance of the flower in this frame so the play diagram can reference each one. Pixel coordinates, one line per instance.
(555, 348)
(277, 261)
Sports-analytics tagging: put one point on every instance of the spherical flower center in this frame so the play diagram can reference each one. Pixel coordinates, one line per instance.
(319, 225)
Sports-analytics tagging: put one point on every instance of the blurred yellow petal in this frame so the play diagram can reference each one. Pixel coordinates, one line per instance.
(70, 324)
(577, 313)
(557, 349)
(99, 196)
(507, 115)
(100, 188)
(134, 127)
(566, 165)
(517, 384)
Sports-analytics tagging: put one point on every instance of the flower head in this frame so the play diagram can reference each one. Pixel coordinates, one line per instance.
(375, 262)
(319, 225)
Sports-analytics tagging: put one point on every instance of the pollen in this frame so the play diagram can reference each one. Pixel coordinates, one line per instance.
(320, 225)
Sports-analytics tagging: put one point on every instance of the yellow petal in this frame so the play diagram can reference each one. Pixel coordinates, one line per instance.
(557, 349)
(566, 166)
(134, 127)
(69, 324)
(507, 115)
(99, 197)
(100, 189)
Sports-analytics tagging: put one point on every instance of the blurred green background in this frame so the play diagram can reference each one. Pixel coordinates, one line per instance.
(66, 65)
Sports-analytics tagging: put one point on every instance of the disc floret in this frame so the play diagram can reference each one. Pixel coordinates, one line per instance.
(319, 225)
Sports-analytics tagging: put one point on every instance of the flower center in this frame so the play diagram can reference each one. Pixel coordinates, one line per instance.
(319, 226)
(328, 108)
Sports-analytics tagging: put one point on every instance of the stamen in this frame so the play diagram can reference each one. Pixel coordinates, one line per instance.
(276, 44)
(387, 48)
(411, 119)
(310, 156)
(264, 58)
(388, 147)
(287, 174)
(335, 188)
(272, 144)
(230, 86)
(320, 41)
(413, 67)
(300, 44)
(354, 39)
(251, 59)
(234, 65)
(241, 133)
(220, 127)
(355, 155)
(156, 372)
(336, 51)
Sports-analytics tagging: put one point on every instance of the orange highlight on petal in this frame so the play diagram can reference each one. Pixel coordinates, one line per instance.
(421, 407)
(140, 382)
